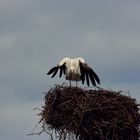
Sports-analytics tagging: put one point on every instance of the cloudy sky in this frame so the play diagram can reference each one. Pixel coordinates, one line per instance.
(36, 34)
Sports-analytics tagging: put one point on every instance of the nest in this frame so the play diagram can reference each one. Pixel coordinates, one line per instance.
(89, 114)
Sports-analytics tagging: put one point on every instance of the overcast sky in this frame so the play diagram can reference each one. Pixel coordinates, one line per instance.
(36, 34)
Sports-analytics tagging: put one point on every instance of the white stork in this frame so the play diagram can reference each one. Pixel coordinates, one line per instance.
(75, 70)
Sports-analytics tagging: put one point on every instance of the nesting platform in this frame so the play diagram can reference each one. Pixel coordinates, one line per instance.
(88, 114)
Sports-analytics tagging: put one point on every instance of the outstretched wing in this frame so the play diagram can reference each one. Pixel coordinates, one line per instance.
(88, 73)
(54, 70)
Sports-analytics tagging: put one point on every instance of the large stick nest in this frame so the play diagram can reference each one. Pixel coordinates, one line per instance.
(90, 114)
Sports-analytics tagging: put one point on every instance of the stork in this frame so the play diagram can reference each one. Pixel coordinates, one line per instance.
(75, 70)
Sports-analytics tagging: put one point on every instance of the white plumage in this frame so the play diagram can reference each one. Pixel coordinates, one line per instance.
(75, 70)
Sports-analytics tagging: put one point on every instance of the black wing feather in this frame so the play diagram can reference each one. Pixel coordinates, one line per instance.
(83, 78)
(92, 79)
(87, 79)
(95, 76)
(61, 71)
(64, 68)
(88, 72)
(54, 70)
(82, 73)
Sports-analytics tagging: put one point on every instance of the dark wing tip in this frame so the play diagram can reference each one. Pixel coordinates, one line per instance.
(52, 70)
(62, 70)
(82, 73)
(54, 73)
(92, 79)
(86, 70)
(98, 82)
(87, 79)
(95, 76)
